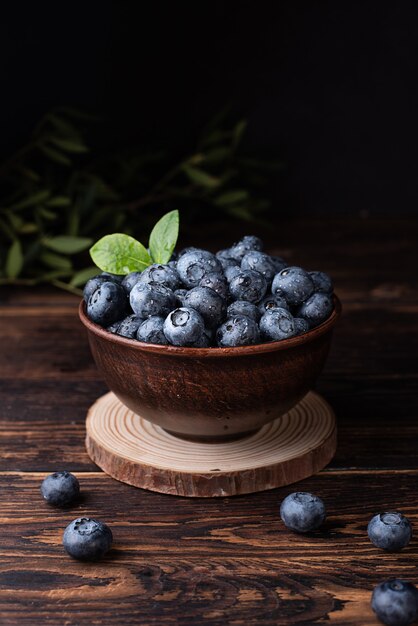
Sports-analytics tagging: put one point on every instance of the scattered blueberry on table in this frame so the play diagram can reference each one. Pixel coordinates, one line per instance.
(395, 602)
(239, 296)
(87, 539)
(302, 512)
(60, 488)
(390, 531)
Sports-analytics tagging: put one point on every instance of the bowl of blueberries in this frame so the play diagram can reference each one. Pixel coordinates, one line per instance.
(211, 346)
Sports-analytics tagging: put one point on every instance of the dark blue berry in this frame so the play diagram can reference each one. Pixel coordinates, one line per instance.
(322, 282)
(248, 285)
(151, 299)
(193, 266)
(91, 286)
(161, 275)
(390, 531)
(294, 284)
(395, 602)
(128, 327)
(232, 271)
(277, 324)
(242, 307)
(268, 303)
(316, 309)
(246, 244)
(238, 331)
(188, 249)
(208, 303)
(107, 304)
(115, 278)
(301, 325)
(217, 282)
(87, 539)
(151, 331)
(130, 281)
(302, 512)
(60, 488)
(183, 326)
(260, 262)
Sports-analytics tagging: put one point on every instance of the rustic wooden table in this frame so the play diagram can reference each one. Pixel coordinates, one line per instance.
(223, 561)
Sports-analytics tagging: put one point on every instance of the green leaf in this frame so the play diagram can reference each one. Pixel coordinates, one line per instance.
(120, 254)
(201, 178)
(239, 130)
(28, 229)
(69, 145)
(235, 196)
(67, 244)
(217, 155)
(14, 260)
(54, 155)
(63, 126)
(59, 201)
(163, 237)
(81, 277)
(47, 214)
(32, 200)
(55, 261)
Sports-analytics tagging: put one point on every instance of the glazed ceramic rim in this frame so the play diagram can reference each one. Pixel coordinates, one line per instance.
(259, 348)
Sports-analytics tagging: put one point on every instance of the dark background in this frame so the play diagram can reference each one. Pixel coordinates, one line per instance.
(329, 87)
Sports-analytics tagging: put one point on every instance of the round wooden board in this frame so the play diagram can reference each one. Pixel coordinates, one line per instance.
(134, 451)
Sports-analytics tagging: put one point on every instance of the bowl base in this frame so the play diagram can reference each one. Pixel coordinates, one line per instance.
(135, 451)
(224, 438)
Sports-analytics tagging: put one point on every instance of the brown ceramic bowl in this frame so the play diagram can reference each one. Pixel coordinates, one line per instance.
(211, 394)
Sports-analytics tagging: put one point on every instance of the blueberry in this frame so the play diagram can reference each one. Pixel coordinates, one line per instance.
(128, 327)
(246, 244)
(91, 286)
(294, 284)
(302, 512)
(322, 282)
(130, 281)
(208, 303)
(255, 260)
(395, 602)
(232, 271)
(107, 304)
(202, 342)
(60, 488)
(277, 324)
(188, 249)
(228, 263)
(151, 330)
(87, 539)
(390, 531)
(301, 325)
(183, 326)
(316, 309)
(268, 303)
(181, 294)
(248, 285)
(242, 307)
(193, 266)
(238, 331)
(162, 275)
(151, 299)
(279, 263)
(217, 282)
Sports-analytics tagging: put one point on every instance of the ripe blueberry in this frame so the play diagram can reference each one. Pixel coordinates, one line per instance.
(294, 284)
(268, 303)
(277, 324)
(322, 282)
(316, 309)
(395, 602)
(302, 512)
(87, 539)
(248, 285)
(60, 488)
(242, 307)
(183, 326)
(246, 244)
(301, 325)
(390, 531)
(217, 282)
(128, 327)
(208, 303)
(193, 266)
(151, 330)
(238, 331)
(161, 275)
(260, 262)
(130, 281)
(91, 286)
(151, 299)
(107, 304)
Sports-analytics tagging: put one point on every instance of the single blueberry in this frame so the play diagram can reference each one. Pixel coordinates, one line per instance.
(180, 295)
(161, 275)
(130, 281)
(279, 263)
(390, 531)
(260, 262)
(277, 324)
(242, 307)
(193, 266)
(238, 331)
(316, 309)
(232, 271)
(208, 303)
(248, 285)
(151, 330)
(183, 326)
(302, 512)
(269, 303)
(188, 249)
(87, 539)
(128, 327)
(60, 488)
(301, 325)
(294, 284)
(217, 282)
(395, 602)
(91, 286)
(107, 304)
(322, 282)
(151, 299)
(246, 244)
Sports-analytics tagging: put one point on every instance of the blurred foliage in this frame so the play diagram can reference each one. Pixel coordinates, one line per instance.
(57, 196)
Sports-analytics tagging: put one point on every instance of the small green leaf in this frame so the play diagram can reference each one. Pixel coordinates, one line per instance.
(63, 126)
(55, 261)
(59, 201)
(120, 254)
(32, 200)
(46, 214)
(163, 237)
(28, 229)
(14, 260)
(69, 145)
(201, 178)
(67, 244)
(54, 155)
(234, 196)
(81, 277)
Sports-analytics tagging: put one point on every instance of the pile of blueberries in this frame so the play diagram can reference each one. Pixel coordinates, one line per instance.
(236, 297)
(394, 601)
